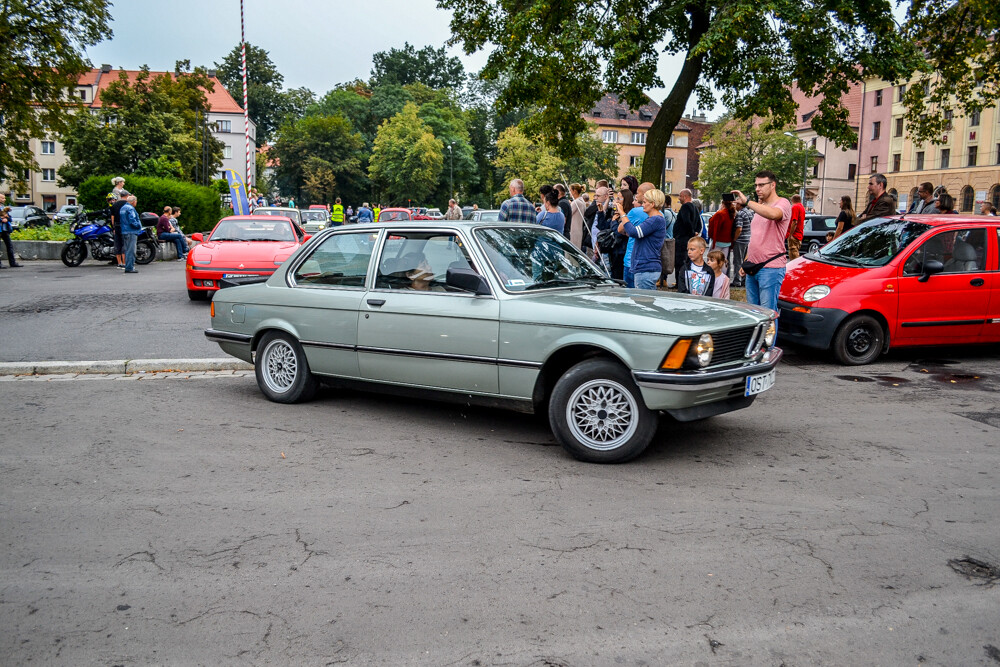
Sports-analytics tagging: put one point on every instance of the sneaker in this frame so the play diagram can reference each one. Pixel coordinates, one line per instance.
(181, 259)
(132, 271)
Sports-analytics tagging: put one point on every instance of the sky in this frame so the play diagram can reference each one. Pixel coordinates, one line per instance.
(314, 43)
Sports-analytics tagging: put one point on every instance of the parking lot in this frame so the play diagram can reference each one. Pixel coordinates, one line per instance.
(848, 517)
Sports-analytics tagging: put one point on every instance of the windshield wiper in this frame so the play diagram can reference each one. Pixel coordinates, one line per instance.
(556, 282)
(842, 258)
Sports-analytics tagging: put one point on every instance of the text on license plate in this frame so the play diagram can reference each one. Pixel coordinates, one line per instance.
(239, 275)
(758, 383)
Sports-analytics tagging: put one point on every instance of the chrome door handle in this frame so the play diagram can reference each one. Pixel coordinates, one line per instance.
(376, 302)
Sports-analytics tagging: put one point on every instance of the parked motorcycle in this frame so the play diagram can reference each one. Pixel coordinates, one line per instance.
(92, 232)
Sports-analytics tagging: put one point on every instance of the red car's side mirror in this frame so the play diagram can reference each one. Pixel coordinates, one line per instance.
(197, 237)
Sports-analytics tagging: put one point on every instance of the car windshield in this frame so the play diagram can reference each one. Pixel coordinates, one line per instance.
(290, 213)
(17, 212)
(530, 258)
(873, 243)
(489, 216)
(393, 216)
(314, 215)
(252, 230)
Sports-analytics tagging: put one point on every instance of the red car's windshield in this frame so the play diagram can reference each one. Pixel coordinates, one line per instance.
(873, 243)
(253, 230)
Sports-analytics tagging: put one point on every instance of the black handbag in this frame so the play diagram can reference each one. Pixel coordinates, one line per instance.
(606, 239)
(752, 268)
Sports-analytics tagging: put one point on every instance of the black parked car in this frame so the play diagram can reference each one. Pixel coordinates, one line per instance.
(28, 216)
(814, 232)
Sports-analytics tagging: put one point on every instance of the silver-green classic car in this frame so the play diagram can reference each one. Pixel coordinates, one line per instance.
(501, 314)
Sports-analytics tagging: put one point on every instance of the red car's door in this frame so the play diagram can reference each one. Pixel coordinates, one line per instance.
(949, 307)
(991, 330)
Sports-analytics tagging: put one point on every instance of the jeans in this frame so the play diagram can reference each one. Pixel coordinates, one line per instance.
(739, 254)
(763, 288)
(629, 277)
(647, 279)
(128, 241)
(179, 241)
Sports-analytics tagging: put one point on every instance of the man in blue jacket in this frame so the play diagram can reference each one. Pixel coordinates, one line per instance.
(131, 228)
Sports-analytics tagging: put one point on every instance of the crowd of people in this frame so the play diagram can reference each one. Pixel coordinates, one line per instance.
(126, 226)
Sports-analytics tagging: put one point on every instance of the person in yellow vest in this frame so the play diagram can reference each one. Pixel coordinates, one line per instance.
(378, 209)
(337, 217)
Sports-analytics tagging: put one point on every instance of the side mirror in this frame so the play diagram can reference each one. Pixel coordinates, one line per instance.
(197, 236)
(467, 280)
(931, 266)
(306, 237)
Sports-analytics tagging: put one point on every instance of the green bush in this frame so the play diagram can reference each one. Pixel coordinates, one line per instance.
(201, 207)
(53, 233)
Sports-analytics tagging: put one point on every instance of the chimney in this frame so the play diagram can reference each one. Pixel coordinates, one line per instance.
(105, 69)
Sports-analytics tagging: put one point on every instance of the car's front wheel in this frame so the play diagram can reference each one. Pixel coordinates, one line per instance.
(859, 341)
(597, 413)
(283, 374)
(813, 246)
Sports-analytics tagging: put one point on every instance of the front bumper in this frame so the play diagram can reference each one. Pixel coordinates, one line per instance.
(198, 278)
(813, 329)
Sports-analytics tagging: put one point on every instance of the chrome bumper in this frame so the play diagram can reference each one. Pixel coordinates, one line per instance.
(701, 380)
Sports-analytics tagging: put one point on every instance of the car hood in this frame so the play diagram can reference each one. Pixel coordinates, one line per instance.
(803, 273)
(631, 310)
(249, 253)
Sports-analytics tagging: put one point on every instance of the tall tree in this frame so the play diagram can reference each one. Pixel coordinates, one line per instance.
(42, 59)
(739, 149)
(407, 159)
(560, 57)
(429, 66)
(319, 158)
(266, 103)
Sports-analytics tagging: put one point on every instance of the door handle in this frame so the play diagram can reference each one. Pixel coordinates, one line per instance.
(976, 282)
(376, 302)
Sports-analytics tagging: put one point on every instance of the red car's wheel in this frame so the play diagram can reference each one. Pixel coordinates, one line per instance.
(859, 341)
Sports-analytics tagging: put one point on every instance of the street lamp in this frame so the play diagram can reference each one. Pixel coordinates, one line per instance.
(451, 177)
(805, 167)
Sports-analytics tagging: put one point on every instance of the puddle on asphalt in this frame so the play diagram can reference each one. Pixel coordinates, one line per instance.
(855, 378)
(957, 378)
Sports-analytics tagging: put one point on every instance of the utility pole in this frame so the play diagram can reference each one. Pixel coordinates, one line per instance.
(451, 178)
(805, 167)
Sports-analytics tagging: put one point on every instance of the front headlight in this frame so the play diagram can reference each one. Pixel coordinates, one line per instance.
(816, 292)
(770, 333)
(702, 350)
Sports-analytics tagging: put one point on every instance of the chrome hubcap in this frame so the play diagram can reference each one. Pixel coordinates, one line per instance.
(279, 366)
(602, 414)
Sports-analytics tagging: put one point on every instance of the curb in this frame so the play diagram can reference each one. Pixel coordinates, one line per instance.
(121, 366)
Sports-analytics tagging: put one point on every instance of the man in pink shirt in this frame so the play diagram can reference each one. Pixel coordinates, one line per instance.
(768, 229)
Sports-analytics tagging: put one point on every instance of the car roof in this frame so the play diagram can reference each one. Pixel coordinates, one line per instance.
(940, 219)
(255, 218)
(272, 208)
(405, 210)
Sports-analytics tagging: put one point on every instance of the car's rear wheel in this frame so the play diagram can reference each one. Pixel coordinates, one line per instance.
(597, 413)
(282, 371)
(859, 341)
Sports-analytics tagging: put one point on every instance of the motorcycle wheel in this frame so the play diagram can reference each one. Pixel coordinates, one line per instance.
(74, 254)
(145, 252)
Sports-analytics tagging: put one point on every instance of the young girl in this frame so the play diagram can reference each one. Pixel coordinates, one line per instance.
(717, 262)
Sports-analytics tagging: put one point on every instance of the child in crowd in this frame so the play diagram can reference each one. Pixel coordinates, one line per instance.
(829, 236)
(696, 278)
(717, 262)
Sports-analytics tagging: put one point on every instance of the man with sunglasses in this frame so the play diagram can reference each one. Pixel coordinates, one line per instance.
(771, 220)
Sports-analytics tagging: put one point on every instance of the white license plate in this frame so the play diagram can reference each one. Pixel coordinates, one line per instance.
(759, 383)
(239, 275)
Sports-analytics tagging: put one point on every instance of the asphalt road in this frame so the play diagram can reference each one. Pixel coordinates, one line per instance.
(50, 312)
(186, 520)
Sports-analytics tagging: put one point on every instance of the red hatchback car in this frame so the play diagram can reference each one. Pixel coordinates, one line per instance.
(896, 282)
(240, 246)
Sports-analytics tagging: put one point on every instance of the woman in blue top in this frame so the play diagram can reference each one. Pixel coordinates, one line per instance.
(648, 235)
(551, 215)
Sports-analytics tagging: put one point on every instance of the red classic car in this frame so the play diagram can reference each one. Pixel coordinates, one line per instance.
(893, 282)
(240, 246)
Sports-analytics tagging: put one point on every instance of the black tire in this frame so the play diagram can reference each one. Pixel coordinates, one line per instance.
(859, 341)
(73, 254)
(197, 295)
(145, 252)
(598, 415)
(813, 246)
(282, 371)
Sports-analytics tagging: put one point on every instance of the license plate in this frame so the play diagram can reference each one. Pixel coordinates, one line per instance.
(238, 275)
(759, 383)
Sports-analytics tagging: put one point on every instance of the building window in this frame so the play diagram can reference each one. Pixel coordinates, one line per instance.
(645, 115)
(227, 152)
(669, 164)
(48, 175)
(878, 98)
(670, 142)
(920, 160)
(945, 157)
(83, 94)
(897, 160)
(48, 148)
(899, 127)
(874, 164)
(71, 201)
(609, 136)
(622, 115)
(974, 118)
(927, 88)
(973, 156)
(968, 198)
(635, 161)
(668, 187)
(876, 129)
(49, 203)
(998, 153)
(596, 114)
(223, 126)
(639, 138)
(852, 172)
(948, 115)
(900, 92)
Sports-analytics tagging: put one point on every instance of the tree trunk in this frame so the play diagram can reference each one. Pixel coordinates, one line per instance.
(672, 108)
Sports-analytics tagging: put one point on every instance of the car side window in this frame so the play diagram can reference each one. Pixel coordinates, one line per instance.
(419, 261)
(961, 251)
(341, 260)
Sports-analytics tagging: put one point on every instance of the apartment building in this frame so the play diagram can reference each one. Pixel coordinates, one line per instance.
(619, 125)
(225, 118)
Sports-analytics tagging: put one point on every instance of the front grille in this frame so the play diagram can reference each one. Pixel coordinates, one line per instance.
(731, 345)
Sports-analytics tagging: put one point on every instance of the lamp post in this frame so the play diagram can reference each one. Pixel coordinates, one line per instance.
(805, 167)
(451, 177)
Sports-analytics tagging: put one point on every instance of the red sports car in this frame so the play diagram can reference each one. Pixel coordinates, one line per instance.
(240, 246)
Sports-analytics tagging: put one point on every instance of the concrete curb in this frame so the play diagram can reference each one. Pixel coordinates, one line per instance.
(121, 366)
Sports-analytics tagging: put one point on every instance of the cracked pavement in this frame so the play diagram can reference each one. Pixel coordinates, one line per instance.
(838, 520)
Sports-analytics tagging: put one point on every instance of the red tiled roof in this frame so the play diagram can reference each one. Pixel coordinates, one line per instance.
(808, 106)
(219, 100)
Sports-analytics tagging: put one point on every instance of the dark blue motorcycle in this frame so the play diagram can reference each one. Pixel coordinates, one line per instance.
(93, 231)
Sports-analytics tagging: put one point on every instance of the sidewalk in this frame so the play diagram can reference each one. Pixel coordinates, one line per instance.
(121, 366)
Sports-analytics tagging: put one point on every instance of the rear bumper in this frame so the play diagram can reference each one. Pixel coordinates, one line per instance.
(813, 329)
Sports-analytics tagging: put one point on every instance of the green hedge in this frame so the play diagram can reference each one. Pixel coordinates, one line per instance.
(201, 206)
